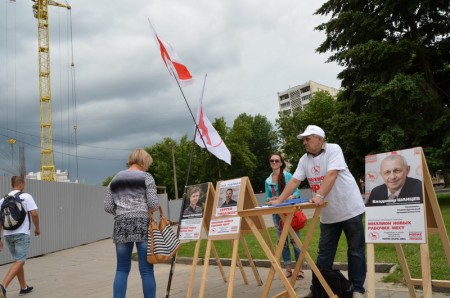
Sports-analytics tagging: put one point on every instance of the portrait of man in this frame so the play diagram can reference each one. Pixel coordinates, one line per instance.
(397, 188)
(194, 208)
(229, 202)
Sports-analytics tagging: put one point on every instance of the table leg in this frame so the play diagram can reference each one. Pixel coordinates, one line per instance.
(274, 259)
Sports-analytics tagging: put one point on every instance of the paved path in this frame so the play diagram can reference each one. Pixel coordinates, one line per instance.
(88, 271)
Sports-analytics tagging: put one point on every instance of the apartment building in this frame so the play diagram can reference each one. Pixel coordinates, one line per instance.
(299, 96)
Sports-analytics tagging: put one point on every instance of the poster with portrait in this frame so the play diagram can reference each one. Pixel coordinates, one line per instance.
(226, 220)
(228, 198)
(192, 217)
(394, 197)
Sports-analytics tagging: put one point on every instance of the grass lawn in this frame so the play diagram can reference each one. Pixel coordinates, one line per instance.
(384, 253)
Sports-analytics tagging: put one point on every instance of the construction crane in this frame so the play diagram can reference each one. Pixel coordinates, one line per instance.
(40, 10)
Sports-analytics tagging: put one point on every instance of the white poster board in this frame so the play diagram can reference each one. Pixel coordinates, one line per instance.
(192, 217)
(228, 197)
(395, 205)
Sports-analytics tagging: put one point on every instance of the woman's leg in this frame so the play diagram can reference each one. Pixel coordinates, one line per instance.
(297, 252)
(286, 254)
(146, 271)
(295, 246)
(123, 254)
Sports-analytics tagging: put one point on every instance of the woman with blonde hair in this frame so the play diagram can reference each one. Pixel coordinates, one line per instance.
(131, 195)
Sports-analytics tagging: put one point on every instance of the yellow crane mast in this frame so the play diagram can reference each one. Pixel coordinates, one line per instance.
(40, 10)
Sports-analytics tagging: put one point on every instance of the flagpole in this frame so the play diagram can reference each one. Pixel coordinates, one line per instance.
(172, 72)
(172, 262)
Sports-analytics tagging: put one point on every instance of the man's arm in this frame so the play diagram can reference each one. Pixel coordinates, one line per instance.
(287, 192)
(325, 187)
(35, 219)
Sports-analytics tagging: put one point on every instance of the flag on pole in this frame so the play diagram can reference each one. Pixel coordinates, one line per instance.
(208, 133)
(172, 61)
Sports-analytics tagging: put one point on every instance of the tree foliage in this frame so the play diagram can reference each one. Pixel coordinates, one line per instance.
(396, 76)
(261, 142)
(319, 111)
(250, 141)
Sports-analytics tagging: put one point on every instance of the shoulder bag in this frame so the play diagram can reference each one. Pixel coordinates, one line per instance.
(163, 242)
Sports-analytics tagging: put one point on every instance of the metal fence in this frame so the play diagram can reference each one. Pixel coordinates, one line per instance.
(70, 215)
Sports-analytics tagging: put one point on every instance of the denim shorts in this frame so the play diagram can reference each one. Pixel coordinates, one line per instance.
(18, 245)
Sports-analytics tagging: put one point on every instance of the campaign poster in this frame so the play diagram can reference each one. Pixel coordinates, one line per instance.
(394, 197)
(191, 228)
(192, 217)
(228, 197)
(224, 226)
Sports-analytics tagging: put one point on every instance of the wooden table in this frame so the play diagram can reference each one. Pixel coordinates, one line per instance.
(274, 256)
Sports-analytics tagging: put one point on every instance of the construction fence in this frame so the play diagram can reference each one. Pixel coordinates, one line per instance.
(70, 215)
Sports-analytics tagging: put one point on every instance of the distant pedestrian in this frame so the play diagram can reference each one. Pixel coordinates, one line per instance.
(130, 197)
(18, 240)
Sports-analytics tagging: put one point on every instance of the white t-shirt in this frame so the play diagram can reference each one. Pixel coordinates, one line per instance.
(344, 199)
(29, 204)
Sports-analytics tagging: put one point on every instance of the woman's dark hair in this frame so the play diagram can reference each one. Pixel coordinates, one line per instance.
(281, 181)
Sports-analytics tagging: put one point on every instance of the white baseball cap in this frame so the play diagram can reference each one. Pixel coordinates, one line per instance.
(312, 130)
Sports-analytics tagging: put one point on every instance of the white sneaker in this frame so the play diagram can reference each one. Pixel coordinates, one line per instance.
(358, 295)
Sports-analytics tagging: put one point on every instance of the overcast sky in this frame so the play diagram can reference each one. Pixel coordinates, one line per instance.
(124, 96)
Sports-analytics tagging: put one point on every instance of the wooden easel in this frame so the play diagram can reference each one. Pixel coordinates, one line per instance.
(434, 224)
(246, 200)
(209, 202)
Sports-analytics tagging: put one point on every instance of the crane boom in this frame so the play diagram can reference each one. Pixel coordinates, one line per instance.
(40, 10)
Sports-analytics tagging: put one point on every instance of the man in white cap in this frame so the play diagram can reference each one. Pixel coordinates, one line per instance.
(330, 180)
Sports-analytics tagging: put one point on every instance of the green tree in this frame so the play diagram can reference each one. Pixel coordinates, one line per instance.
(319, 111)
(162, 167)
(261, 143)
(396, 76)
(242, 158)
(193, 164)
(107, 180)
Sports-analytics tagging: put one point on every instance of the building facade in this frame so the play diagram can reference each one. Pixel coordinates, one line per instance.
(298, 97)
(61, 176)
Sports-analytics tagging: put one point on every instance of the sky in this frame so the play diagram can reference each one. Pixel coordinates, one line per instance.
(119, 94)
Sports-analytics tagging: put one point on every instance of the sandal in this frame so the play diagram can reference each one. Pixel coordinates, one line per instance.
(300, 275)
(288, 273)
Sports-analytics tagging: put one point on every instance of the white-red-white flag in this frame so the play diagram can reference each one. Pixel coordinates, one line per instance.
(207, 135)
(172, 61)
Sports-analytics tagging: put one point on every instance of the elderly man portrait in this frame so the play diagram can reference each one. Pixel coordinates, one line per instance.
(397, 188)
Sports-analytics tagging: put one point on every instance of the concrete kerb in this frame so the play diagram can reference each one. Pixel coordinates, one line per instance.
(385, 268)
(379, 267)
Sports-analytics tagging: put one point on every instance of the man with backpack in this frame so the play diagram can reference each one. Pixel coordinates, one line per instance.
(16, 225)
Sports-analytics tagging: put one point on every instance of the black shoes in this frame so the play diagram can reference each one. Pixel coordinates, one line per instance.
(26, 291)
(2, 291)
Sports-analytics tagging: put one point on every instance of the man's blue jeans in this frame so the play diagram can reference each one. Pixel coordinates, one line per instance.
(356, 253)
(123, 253)
(286, 253)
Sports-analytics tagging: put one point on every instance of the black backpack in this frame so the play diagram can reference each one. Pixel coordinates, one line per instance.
(338, 283)
(12, 212)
